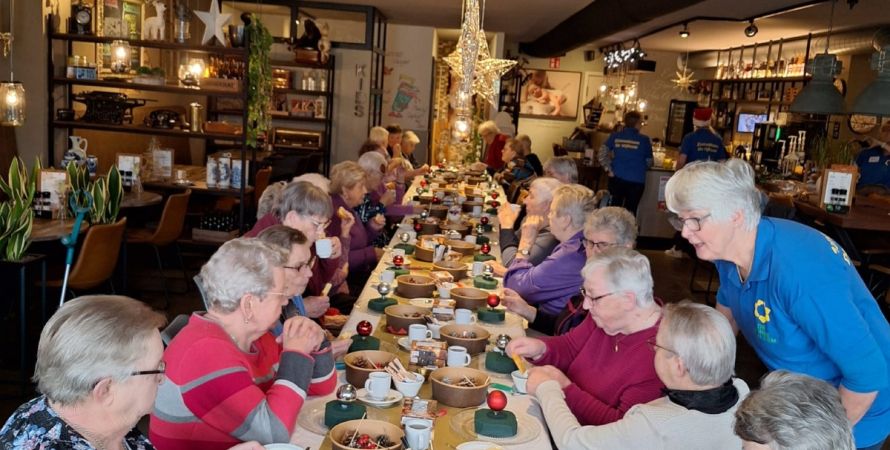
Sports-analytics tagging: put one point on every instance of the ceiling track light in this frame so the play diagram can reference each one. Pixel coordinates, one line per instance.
(684, 33)
(751, 29)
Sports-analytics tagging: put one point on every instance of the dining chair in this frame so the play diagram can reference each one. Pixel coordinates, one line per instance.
(96, 259)
(167, 232)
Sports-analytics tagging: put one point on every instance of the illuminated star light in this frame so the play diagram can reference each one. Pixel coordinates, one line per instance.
(487, 72)
(684, 79)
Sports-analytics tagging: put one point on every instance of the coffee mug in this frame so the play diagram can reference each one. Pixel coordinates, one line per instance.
(445, 290)
(409, 387)
(519, 381)
(418, 433)
(324, 248)
(387, 276)
(477, 210)
(478, 268)
(470, 238)
(418, 332)
(398, 252)
(434, 328)
(464, 316)
(377, 385)
(458, 356)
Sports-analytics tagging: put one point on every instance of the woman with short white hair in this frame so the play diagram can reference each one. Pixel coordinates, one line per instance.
(379, 136)
(792, 291)
(603, 366)
(563, 168)
(227, 378)
(551, 283)
(533, 235)
(793, 411)
(694, 358)
(493, 142)
(409, 144)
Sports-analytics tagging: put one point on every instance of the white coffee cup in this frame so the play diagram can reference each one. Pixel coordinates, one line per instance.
(387, 276)
(398, 252)
(458, 356)
(519, 381)
(418, 433)
(445, 289)
(477, 210)
(377, 385)
(464, 316)
(478, 267)
(409, 388)
(418, 332)
(470, 238)
(324, 248)
(434, 328)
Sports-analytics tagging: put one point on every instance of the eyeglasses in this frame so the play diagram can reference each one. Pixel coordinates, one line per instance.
(654, 346)
(162, 368)
(594, 300)
(299, 267)
(598, 245)
(320, 224)
(692, 223)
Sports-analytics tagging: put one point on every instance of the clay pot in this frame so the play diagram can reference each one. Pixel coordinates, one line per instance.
(345, 430)
(414, 286)
(439, 211)
(462, 228)
(458, 396)
(458, 270)
(355, 375)
(474, 345)
(463, 247)
(400, 317)
(469, 298)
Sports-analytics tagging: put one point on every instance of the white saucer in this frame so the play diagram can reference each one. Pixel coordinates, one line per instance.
(479, 445)
(405, 343)
(422, 302)
(392, 398)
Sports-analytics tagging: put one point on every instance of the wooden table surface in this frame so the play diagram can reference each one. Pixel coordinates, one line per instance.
(197, 176)
(527, 410)
(139, 200)
(864, 215)
(53, 229)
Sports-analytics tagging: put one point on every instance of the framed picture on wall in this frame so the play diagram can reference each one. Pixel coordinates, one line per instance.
(119, 19)
(550, 94)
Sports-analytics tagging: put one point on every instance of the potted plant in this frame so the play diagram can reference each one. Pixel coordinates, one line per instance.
(259, 78)
(106, 192)
(16, 215)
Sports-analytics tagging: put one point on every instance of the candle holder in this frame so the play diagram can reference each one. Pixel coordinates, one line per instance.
(363, 340)
(497, 360)
(485, 248)
(397, 265)
(344, 408)
(379, 304)
(491, 314)
(405, 243)
(486, 280)
(495, 422)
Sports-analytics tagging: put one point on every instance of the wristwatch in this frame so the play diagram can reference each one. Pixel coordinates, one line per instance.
(524, 252)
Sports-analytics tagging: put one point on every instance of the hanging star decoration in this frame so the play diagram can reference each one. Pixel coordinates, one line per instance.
(684, 79)
(214, 21)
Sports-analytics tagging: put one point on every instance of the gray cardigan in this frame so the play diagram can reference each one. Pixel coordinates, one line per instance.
(509, 242)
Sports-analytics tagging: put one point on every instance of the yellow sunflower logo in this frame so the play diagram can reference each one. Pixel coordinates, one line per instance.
(761, 311)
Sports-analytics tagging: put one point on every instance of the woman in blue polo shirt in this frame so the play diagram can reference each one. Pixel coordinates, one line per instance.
(874, 162)
(791, 290)
(626, 156)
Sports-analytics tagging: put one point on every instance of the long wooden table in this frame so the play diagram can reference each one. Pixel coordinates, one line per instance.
(525, 407)
(865, 215)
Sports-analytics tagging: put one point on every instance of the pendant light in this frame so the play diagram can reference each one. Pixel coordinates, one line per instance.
(875, 99)
(12, 93)
(820, 96)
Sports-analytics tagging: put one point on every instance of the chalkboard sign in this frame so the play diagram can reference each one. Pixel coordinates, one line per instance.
(679, 121)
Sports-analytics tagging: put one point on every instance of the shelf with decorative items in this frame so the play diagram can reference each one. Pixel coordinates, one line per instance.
(123, 95)
(766, 96)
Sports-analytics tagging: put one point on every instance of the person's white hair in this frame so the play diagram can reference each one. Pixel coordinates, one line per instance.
(372, 163)
(269, 199)
(625, 270)
(720, 188)
(488, 127)
(240, 267)
(315, 179)
(703, 338)
(615, 220)
(304, 198)
(794, 411)
(572, 200)
(410, 136)
(91, 338)
(345, 175)
(564, 166)
(545, 187)
(379, 135)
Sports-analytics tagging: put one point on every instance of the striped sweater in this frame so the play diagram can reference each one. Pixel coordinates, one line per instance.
(215, 396)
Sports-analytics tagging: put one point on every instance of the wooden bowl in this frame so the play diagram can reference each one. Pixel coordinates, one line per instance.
(439, 211)
(469, 298)
(414, 286)
(429, 227)
(355, 375)
(423, 254)
(458, 270)
(458, 396)
(462, 228)
(373, 428)
(474, 345)
(463, 247)
(425, 199)
(474, 180)
(400, 317)
(468, 206)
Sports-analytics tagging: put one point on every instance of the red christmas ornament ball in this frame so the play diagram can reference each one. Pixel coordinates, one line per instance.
(494, 195)
(418, 227)
(436, 200)
(364, 328)
(495, 204)
(497, 400)
(486, 248)
(423, 183)
(493, 300)
(484, 220)
(398, 260)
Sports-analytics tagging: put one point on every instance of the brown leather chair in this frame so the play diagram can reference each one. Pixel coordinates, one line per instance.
(260, 183)
(168, 231)
(97, 258)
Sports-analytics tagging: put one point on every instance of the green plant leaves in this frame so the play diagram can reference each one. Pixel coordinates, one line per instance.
(16, 215)
(259, 79)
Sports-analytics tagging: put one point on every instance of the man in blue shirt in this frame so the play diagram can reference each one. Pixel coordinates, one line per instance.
(626, 156)
(874, 162)
(703, 144)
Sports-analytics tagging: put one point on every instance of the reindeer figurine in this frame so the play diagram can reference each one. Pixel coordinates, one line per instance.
(153, 27)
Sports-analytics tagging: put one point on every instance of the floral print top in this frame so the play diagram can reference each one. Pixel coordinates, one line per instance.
(36, 426)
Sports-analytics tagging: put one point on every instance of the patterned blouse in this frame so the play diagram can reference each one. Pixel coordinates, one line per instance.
(36, 426)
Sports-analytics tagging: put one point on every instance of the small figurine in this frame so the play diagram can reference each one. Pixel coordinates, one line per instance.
(324, 43)
(153, 27)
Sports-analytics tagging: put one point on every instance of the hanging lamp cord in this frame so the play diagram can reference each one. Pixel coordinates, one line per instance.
(11, 37)
(830, 25)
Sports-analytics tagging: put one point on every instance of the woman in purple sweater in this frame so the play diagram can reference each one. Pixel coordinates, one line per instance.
(603, 365)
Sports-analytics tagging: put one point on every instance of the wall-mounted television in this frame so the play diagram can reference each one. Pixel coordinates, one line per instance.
(746, 122)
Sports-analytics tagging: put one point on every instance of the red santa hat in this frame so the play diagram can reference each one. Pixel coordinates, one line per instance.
(701, 117)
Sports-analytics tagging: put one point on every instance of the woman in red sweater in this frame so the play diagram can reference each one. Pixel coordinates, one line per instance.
(603, 365)
(227, 378)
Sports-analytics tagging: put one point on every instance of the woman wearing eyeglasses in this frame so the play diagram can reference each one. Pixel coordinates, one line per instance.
(603, 365)
(604, 228)
(694, 358)
(791, 290)
(228, 379)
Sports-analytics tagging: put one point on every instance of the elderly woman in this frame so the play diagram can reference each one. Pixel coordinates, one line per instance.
(394, 140)
(610, 345)
(793, 411)
(269, 199)
(605, 228)
(792, 291)
(550, 284)
(409, 143)
(227, 378)
(348, 189)
(525, 164)
(563, 168)
(694, 358)
(533, 236)
(494, 143)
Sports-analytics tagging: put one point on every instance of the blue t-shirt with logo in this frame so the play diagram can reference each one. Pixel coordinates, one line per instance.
(702, 145)
(804, 308)
(874, 167)
(630, 150)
